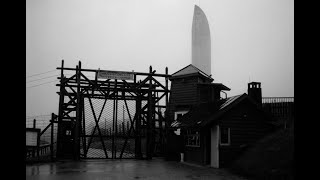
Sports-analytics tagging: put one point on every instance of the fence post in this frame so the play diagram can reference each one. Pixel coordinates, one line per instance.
(150, 119)
(60, 111)
(38, 146)
(138, 154)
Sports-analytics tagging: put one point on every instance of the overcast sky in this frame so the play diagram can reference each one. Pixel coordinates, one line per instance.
(251, 40)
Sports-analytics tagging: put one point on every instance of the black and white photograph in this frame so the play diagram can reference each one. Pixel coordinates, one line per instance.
(159, 89)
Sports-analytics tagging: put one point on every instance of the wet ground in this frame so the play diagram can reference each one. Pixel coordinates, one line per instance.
(125, 169)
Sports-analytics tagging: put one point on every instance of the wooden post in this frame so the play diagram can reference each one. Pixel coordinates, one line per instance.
(123, 128)
(52, 128)
(60, 110)
(167, 99)
(38, 145)
(34, 123)
(76, 148)
(84, 142)
(150, 120)
(138, 154)
(114, 122)
(123, 119)
(116, 116)
(128, 127)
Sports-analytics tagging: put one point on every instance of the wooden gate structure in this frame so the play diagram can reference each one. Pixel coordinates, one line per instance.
(89, 122)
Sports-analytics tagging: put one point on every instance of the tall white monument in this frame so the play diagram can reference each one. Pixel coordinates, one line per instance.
(201, 41)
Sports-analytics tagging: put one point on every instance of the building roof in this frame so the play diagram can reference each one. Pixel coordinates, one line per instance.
(194, 116)
(207, 113)
(189, 70)
(218, 85)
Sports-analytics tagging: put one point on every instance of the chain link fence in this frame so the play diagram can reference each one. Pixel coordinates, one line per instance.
(108, 129)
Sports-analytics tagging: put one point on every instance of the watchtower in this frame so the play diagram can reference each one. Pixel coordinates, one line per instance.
(190, 86)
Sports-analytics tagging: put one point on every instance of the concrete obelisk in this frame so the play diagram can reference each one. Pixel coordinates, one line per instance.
(201, 41)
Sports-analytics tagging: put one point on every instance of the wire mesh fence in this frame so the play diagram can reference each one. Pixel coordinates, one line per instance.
(108, 128)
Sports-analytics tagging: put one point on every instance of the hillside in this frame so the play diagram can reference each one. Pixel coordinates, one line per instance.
(270, 158)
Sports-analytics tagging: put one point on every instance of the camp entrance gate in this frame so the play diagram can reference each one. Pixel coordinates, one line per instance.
(112, 115)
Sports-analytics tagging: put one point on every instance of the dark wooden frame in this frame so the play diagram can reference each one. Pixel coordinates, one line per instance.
(78, 86)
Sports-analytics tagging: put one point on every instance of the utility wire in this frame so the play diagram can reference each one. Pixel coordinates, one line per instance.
(42, 84)
(41, 73)
(38, 115)
(50, 77)
(43, 78)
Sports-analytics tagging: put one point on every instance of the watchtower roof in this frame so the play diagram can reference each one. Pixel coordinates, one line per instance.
(190, 70)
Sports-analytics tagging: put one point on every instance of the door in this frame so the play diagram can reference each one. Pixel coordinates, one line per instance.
(215, 146)
(66, 138)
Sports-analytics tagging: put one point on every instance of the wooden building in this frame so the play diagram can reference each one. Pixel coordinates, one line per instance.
(215, 128)
(189, 87)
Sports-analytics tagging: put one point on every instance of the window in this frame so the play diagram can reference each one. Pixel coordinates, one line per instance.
(192, 138)
(224, 136)
(179, 114)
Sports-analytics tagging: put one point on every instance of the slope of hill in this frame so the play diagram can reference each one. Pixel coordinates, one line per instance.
(270, 158)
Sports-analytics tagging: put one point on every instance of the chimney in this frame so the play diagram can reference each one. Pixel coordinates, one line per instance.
(254, 91)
